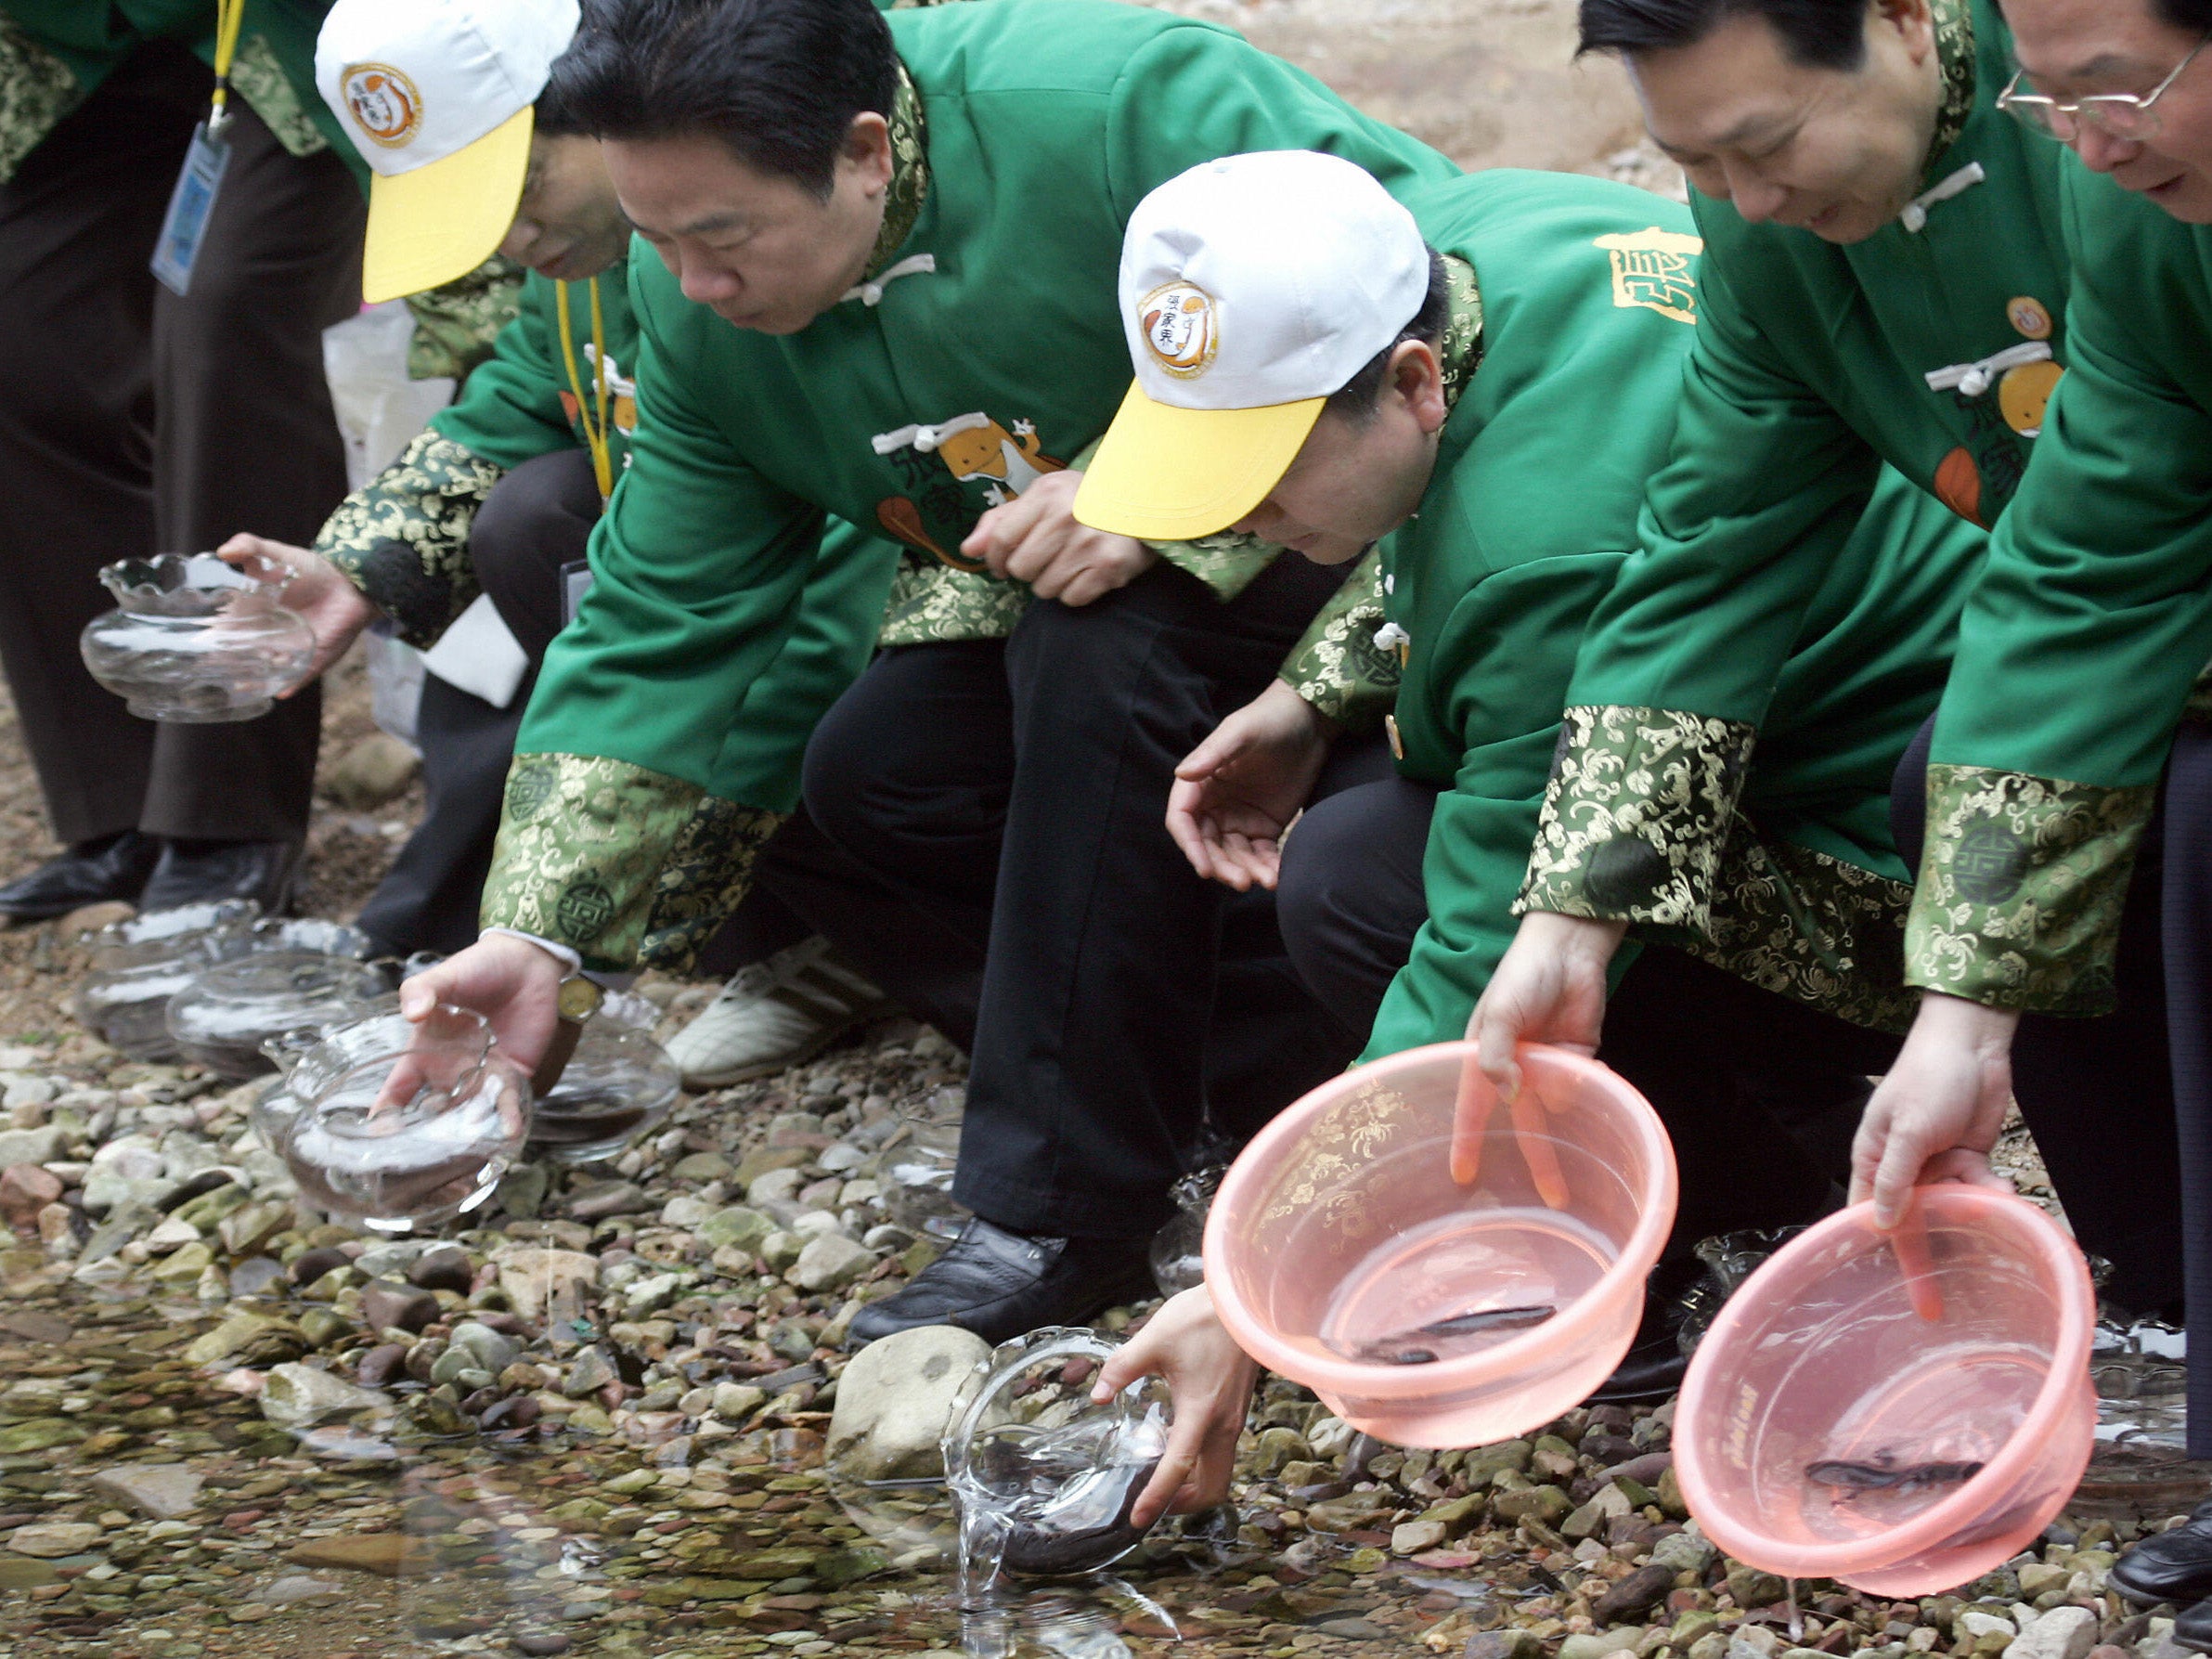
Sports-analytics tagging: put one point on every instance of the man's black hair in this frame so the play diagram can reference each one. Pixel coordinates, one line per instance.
(1817, 34)
(2192, 15)
(778, 81)
(1356, 398)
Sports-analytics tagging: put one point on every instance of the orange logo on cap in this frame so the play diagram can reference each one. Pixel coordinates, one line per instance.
(384, 102)
(1179, 327)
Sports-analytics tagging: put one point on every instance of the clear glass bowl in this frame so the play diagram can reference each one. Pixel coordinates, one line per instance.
(618, 1085)
(139, 965)
(1043, 1479)
(223, 1015)
(919, 1163)
(1178, 1253)
(402, 1124)
(194, 639)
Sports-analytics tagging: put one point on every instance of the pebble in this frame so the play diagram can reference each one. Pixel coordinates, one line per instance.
(161, 1490)
(56, 1538)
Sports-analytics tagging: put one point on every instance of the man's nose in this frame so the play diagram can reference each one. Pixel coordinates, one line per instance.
(1754, 198)
(2100, 152)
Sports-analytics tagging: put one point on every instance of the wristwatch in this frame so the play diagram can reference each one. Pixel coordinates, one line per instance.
(578, 1001)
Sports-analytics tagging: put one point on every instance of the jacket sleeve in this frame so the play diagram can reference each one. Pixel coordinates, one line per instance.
(1338, 665)
(1517, 630)
(698, 565)
(2081, 641)
(1682, 659)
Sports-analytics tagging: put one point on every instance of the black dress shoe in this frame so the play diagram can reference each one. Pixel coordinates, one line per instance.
(90, 873)
(2194, 1628)
(2172, 1566)
(1002, 1285)
(194, 871)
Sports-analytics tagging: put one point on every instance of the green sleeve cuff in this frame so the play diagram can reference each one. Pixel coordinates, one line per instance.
(457, 324)
(1338, 667)
(1637, 816)
(2021, 886)
(584, 845)
(402, 538)
(36, 90)
(707, 876)
(1226, 562)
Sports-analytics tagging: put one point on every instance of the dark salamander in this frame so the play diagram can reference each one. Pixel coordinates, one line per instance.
(1882, 1476)
(1401, 1349)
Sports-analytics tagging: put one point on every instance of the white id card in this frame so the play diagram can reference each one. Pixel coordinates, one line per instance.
(189, 204)
(575, 581)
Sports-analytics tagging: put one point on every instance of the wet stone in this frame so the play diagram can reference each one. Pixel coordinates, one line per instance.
(388, 1306)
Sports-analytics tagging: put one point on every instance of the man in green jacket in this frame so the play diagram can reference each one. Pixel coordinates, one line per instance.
(1885, 284)
(915, 236)
(1480, 388)
(483, 512)
(145, 416)
(1496, 450)
(2071, 721)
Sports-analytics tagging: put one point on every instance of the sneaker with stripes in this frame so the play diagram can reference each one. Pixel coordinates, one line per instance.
(774, 1013)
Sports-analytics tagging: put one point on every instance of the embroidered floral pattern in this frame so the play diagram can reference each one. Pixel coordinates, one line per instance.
(402, 538)
(1637, 815)
(1338, 667)
(910, 175)
(580, 852)
(1809, 927)
(260, 81)
(457, 324)
(1226, 562)
(708, 873)
(2022, 887)
(1953, 22)
(36, 90)
(934, 604)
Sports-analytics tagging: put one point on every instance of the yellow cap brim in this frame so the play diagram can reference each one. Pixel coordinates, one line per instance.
(1169, 475)
(432, 224)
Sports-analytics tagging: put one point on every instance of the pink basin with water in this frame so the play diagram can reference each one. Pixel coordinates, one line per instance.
(1851, 1360)
(1341, 1233)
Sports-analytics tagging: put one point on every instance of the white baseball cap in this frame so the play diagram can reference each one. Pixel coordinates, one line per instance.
(436, 96)
(1251, 288)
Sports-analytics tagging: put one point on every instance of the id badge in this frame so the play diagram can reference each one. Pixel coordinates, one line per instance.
(575, 581)
(189, 204)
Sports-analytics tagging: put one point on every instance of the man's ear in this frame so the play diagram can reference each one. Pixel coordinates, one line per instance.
(1911, 20)
(867, 147)
(1417, 377)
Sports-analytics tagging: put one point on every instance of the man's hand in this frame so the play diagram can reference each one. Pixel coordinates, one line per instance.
(1940, 1111)
(334, 608)
(1549, 988)
(1035, 538)
(1236, 793)
(511, 982)
(1210, 1378)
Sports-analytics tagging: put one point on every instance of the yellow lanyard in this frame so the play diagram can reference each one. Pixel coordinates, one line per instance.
(229, 16)
(595, 430)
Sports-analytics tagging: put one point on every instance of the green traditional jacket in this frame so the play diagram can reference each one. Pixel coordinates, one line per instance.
(1930, 347)
(403, 539)
(1563, 364)
(2081, 642)
(984, 350)
(54, 53)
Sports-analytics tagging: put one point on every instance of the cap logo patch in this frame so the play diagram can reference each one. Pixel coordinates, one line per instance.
(1180, 328)
(384, 102)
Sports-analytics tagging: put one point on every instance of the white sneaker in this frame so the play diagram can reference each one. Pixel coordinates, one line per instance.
(774, 1013)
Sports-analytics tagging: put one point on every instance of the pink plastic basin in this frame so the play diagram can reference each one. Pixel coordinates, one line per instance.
(1341, 1230)
(1832, 1353)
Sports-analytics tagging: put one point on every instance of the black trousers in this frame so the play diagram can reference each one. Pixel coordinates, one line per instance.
(2097, 1095)
(135, 422)
(1008, 801)
(1759, 1093)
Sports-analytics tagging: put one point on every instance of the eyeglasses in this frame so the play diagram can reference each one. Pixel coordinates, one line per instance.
(2121, 114)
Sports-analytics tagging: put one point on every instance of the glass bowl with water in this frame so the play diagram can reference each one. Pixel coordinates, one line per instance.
(197, 639)
(404, 1124)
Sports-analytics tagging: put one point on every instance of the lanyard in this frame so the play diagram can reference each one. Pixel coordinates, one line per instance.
(595, 430)
(229, 16)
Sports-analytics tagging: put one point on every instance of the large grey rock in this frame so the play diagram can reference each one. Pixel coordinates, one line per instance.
(53, 1539)
(161, 1490)
(895, 1399)
(2062, 1633)
(736, 1228)
(494, 1352)
(296, 1396)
